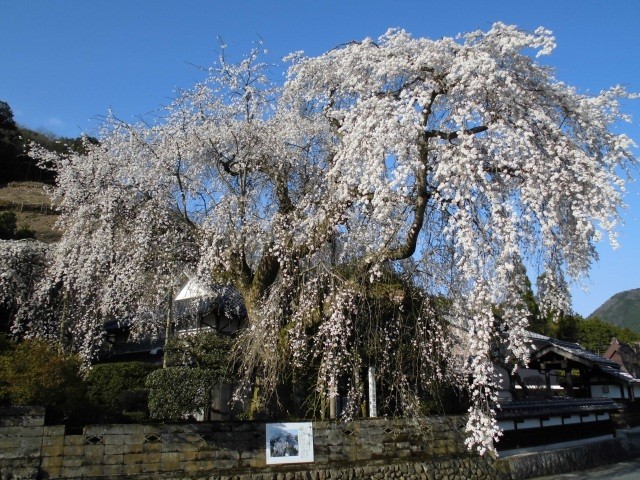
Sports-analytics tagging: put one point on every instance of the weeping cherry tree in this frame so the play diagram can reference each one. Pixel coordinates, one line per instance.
(448, 163)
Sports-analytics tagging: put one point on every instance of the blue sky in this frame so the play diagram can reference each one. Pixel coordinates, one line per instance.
(65, 63)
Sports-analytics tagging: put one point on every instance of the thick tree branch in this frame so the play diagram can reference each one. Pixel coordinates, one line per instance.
(422, 199)
(183, 195)
(453, 135)
(282, 194)
(422, 193)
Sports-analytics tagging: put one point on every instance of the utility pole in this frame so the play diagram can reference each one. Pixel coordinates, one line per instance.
(167, 328)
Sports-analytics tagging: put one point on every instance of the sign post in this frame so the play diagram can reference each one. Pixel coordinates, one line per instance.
(373, 406)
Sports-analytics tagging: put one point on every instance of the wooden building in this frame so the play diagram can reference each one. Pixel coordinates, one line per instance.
(566, 393)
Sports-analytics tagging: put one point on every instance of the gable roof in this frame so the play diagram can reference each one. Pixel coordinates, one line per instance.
(571, 351)
(193, 289)
(544, 345)
(224, 299)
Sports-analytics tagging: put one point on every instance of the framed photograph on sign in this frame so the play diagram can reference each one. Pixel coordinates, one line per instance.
(289, 443)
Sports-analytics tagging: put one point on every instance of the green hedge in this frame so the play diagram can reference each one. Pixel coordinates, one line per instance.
(175, 393)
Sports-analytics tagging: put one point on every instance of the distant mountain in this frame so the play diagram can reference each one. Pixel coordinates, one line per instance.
(623, 309)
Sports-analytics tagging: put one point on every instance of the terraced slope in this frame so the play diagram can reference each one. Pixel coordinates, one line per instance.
(32, 205)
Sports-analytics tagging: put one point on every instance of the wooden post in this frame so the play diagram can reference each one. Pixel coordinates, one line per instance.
(547, 382)
(569, 378)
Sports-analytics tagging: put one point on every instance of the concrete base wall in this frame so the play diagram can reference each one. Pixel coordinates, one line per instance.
(580, 457)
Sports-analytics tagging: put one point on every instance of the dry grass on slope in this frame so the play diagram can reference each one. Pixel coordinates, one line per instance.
(32, 205)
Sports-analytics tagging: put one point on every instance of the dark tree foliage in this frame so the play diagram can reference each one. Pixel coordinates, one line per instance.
(595, 334)
(118, 390)
(9, 229)
(11, 147)
(6, 117)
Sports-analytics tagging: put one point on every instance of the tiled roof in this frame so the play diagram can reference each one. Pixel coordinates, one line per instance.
(554, 406)
(619, 376)
(580, 352)
(533, 336)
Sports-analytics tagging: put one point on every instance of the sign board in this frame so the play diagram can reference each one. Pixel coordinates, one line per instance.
(289, 443)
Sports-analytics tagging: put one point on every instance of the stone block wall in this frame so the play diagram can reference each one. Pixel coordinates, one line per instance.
(371, 448)
(21, 434)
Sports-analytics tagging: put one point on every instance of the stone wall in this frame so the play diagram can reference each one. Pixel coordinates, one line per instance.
(21, 435)
(429, 448)
(578, 457)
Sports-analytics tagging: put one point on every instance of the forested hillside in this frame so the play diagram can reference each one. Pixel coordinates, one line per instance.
(622, 309)
(15, 162)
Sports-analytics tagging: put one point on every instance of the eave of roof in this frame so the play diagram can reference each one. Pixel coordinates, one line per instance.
(619, 376)
(554, 406)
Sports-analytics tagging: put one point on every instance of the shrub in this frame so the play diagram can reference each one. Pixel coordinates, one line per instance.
(5, 343)
(207, 350)
(9, 229)
(119, 387)
(33, 373)
(7, 225)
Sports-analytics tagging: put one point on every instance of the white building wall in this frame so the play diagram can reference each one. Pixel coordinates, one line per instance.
(552, 422)
(607, 391)
(529, 423)
(506, 425)
(572, 419)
